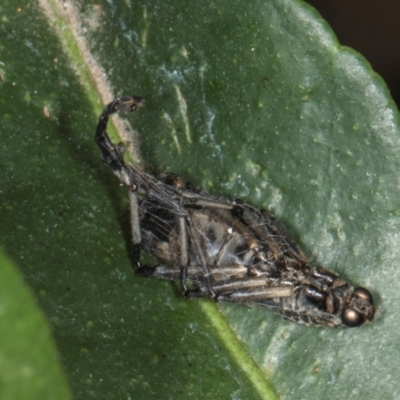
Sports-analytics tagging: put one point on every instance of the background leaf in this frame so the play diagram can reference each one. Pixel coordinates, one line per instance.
(257, 102)
(28, 362)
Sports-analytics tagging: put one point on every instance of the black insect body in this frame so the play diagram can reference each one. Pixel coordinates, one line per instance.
(229, 250)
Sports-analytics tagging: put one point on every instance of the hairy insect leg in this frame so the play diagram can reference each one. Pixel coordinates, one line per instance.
(242, 291)
(184, 252)
(201, 202)
(113, 155)
(173, 273)
(250, 293)
(135, 227)
(195, 273)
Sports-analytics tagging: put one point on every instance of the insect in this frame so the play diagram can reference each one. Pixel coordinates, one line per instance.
(226, 249)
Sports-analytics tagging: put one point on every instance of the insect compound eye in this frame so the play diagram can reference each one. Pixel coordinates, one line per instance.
(363, 294)
(352, 318)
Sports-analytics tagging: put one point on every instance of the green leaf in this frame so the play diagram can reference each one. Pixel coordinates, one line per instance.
(28, 362)
(254, 101)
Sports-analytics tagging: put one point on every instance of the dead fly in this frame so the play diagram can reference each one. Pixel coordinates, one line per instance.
(229, 250)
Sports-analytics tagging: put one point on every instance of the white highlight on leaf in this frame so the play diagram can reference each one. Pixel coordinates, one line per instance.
(173, 130)
(183, 110)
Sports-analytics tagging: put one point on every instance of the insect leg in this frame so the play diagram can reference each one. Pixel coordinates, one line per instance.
(245, 290)
(246, 294)
(113, 155)
(194, 273)
(135, 227)
(184, 252)
(201, 202)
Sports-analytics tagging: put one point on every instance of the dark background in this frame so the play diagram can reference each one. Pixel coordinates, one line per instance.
(372, 28)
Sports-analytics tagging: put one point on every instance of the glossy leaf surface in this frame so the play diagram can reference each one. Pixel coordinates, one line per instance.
(256, 102)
